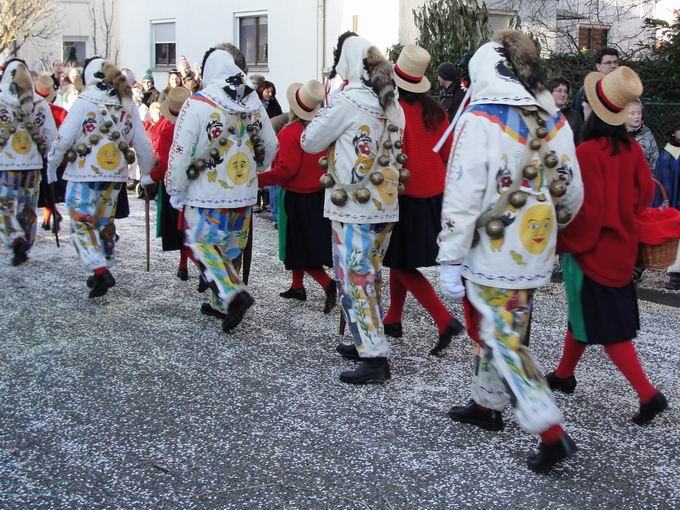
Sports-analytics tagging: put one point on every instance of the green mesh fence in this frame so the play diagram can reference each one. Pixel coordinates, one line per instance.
(656, 118)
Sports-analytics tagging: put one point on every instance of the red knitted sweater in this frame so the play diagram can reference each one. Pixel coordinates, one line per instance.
(604, 235)
(161, 134)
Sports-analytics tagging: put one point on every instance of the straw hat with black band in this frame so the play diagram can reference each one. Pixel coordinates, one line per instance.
(173, 102)
(608, 95)
(44, 87)
(305, 100)
(409, 71)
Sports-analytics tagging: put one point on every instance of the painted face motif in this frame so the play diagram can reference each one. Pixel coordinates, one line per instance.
(388, 188)
(536, 227)
(108, 157)
(238, 168)
(21, 142)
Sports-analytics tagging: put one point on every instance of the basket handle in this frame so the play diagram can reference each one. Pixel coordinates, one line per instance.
(664, 195)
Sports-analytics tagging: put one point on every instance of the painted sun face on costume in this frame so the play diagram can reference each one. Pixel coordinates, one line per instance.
(535, 228)
(21, 142)
(238, 168)
(388, 188)
(108, 157)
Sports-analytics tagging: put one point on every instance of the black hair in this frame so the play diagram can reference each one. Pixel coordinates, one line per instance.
(205, 59)
(433, 113)
(264, 86)
(338, 51)
(556, 82)
(616, 136)
(613, 52)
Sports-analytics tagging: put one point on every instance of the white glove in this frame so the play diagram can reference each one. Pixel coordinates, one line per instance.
(451, 282)
(146, 180)
(177, 202)
(51, 175)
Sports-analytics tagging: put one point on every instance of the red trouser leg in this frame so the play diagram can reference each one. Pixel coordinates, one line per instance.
(571, 354)
(421, 289)
(625, 357)
(397, 299)
(298, 279)
(320, 276)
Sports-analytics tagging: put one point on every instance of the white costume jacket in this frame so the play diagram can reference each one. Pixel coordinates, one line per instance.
(20, 150)
(216, 135)
(486, 157)
(352, 130)
(108, 128)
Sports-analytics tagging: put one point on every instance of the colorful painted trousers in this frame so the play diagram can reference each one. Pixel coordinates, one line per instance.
(358, 252)
(18, 203)
(92, 207)
(217, 237)
(505, 370)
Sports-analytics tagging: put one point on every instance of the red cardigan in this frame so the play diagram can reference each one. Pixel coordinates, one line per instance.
(604, 235)
(293, 169)
(161, 134)
(58, 113)
(428, 169)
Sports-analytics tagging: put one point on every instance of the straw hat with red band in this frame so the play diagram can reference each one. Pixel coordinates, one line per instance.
(305, 100)
(44, 87)
(173, 102)
(409, 71)
(608, 95)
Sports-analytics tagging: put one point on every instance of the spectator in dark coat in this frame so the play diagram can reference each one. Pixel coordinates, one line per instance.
(606, 60)
(452, 93)
(560, 89)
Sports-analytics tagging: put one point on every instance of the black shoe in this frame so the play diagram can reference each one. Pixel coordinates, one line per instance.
(183, 274)
(550, 454)
(673, 282)
(101, 284)
(348, 351)
(45, 225)
(237, 309)
(648, 411)
(299, 294)
(20, 250)
(206, 309)
(331, 297)
(202, 285)
(563, 384)
(276, 226)
(454, 328)
(394, 330)
(371, 371)
(471, 413)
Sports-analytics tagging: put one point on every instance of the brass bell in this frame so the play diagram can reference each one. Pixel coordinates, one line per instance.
(104, 112)
(104, 128)
(518, 199)
(199, 164)
(232, 130)
(362, 195)
(214, 153)
(563, 215)
(558, 188)
(256, 140)
(81, 149)
(259, 150)
(192, 173)
(29, 126)
(12, 130)
(115, 135)
(339, 197)
(71, 155)
(327, 181)
(130, 157)
(94, 139)
(398, 144)
(495, 229)
(393, 128)
(402, 159)
(323, 163)
(540, 121)
(388, 144)
(222, 141)
(109, 124)
(535, 144)
(401, 189)
(542, 132)
(551, 161)
(383, 160)
(377, 178)
(404, 174)
(42, 148)
(123, 146)
(530, 172)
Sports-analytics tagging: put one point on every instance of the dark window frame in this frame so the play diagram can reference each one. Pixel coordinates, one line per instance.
(256, 17)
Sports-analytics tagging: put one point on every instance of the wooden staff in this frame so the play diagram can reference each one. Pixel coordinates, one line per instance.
(55, 213)
(248, 251)
(147, 220)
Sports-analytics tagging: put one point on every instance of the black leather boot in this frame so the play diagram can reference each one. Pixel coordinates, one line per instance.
(237, 309)
(348, 351)
(183, 274)
(20, 250)
(563, 384)
(101, 284)
(207, 309)
(486, 419)
(331, 297)
(550, 454)
(649, 410)
(370, 371)
(454, 328)
(394, 330)
(299, 294)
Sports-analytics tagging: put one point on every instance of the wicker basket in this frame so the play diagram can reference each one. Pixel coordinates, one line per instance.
(658, 256)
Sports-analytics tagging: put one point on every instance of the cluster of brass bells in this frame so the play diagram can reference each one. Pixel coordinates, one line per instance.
(129, 157)
(106, 126)
(362, 195)
(195, 169)
(339, 197)
(327, 181)
(257, 142)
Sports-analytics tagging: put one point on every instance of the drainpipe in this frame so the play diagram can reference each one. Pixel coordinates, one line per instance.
(321, 39)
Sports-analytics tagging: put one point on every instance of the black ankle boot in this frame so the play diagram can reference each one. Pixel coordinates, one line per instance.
(202, 285)
(183, 274)
(299, 294)
(550, 454)
(207, 309)
(101, 284)
(454, 328)
(673, 281)
(486, 419)
(649, 410)
(237, 309)
(563, 384)
(45, 225)
(394, 330)
(20, 250)
(331, 297)
(348, 351)
(371, 371)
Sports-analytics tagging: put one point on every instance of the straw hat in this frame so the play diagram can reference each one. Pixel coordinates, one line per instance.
(173, 102)
(608, 95)
(305, 100)
(44, 87)
(409, 71)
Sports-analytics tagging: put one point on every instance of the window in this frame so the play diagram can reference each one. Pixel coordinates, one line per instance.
(74, 50)
(253, 37)
(592, 37)
(163, 43)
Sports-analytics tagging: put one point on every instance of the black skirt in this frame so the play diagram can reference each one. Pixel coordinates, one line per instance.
(414, 238)
(172, 238)
(308, 233)
(123, 206)
(59, 188)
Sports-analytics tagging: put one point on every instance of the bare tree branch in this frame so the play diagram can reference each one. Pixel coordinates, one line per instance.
(24, 20)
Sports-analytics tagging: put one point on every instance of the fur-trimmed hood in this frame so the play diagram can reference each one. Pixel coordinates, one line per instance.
(227, 85)
(16, 86)
(105, 84)
(508, 74)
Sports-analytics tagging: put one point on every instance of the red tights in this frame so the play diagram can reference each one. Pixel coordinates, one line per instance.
(317, 273)
(185, 254)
